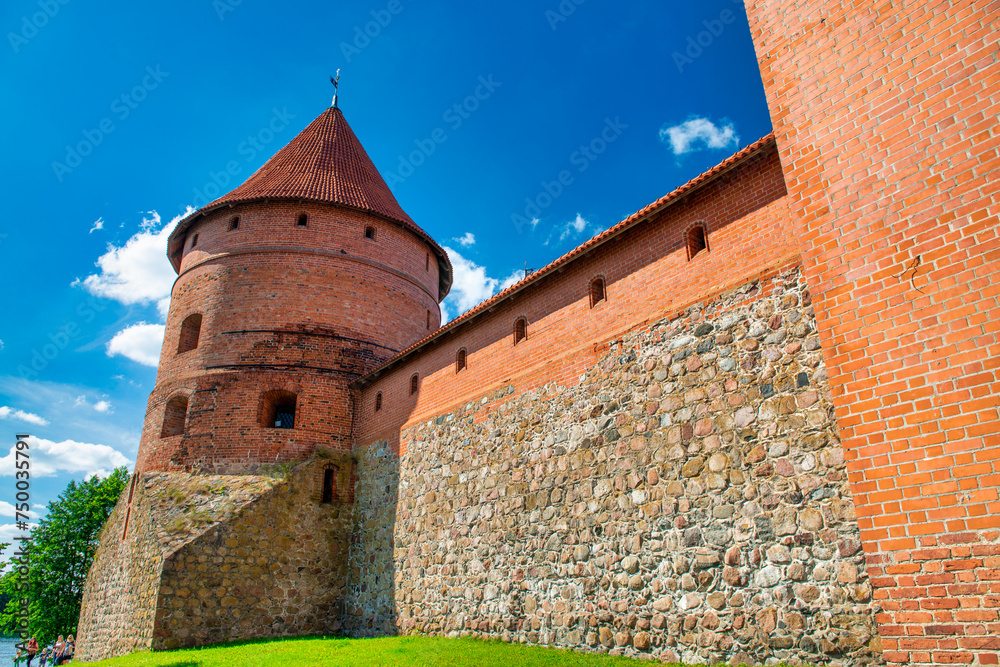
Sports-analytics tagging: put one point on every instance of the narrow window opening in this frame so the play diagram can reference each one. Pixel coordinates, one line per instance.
(370, 233)
(194, 241)
(190, 332)
(329, 484)
(596, 291)
(460, 360)
(697, 240)
(428, 319)
(427, 262)
(174, 416)
(414, 383)
(278, 409)
(378, 401)
(303, 220)
(234, 224)
(520, 330)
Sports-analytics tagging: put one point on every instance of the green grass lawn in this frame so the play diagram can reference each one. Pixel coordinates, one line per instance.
(388, 652)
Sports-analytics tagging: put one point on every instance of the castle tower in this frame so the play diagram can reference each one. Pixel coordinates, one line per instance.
(288, 287)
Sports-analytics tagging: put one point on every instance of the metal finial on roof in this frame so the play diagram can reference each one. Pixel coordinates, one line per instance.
(336, 83)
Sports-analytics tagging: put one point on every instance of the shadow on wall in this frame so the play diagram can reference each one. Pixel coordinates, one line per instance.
(370, 609)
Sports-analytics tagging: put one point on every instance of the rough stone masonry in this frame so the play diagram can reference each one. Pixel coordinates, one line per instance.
(687, 500)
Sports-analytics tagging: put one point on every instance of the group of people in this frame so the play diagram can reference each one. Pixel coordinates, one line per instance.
(59, 653)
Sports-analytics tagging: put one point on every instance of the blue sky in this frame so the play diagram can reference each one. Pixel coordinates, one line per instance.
(120, 115)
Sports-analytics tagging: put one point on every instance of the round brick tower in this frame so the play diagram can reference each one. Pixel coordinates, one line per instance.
(306, 276)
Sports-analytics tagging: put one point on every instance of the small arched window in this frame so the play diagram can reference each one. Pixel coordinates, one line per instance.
(520, 330)
(190, 332)
(329, 484)
(194, 241)
(303, 220)
(174, 416)
(460, 358)
(378, 401)
(278, 409)
(234, 224)
(596, 291)
(414, 383)
(697, 240)
(370, 233)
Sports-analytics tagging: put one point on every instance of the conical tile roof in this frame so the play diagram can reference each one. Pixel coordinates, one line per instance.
(325, 163)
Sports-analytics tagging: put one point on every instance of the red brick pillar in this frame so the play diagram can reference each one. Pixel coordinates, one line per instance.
(886, 118)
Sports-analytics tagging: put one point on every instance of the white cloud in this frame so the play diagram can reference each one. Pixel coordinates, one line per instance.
(515, 277)
(471, 284)
(99, 406)
(31, 418)
(573, 230)
(687, 136)
(153, 221)
(8, 533)
(467, 240)
(6, 509)
(137, 272)
(575, 226)
(49, 458)
(98, 225)
(139, 342)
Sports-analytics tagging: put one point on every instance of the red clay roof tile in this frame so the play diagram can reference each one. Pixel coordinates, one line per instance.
(325, 163)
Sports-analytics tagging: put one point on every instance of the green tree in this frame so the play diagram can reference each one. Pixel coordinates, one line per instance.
(62, 549)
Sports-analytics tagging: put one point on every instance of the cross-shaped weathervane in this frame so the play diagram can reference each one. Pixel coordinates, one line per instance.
(336, 82)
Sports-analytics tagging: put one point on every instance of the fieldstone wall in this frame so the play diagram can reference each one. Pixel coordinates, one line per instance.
(371, 604)
(119, 597)
(277, 568)
(687, 500)
(123, 589)
(212, 558)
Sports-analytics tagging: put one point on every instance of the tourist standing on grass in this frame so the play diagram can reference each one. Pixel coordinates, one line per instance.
(57, 649)
(67, 654)
(32, 650)
(43, 658)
